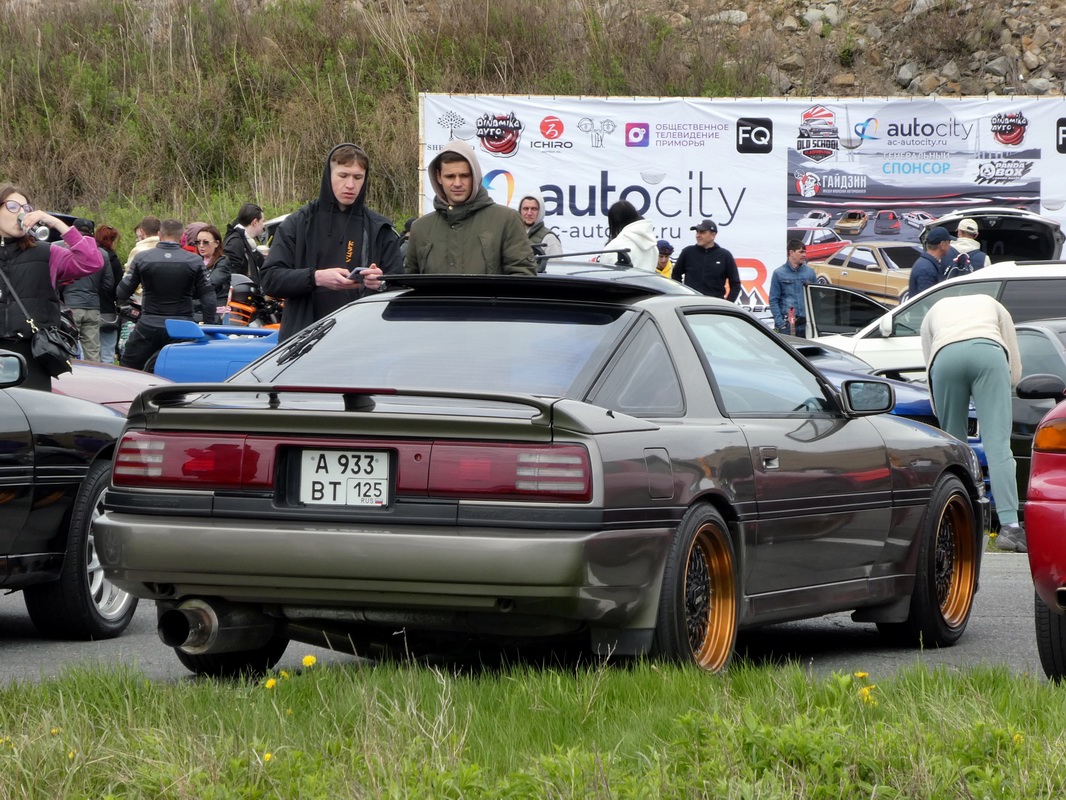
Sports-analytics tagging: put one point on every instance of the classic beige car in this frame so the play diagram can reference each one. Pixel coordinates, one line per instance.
(881, 270)
(852, 223)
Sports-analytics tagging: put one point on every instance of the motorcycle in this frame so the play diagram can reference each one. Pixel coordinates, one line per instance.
(248, 305)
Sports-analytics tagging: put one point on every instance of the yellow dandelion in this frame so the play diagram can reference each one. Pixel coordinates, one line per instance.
(288, 712)
(271, 683)
(267, 756)
(285, 675)
(70, 755)
(309, 661)
(1017, 738)
(56, 731)
(861, 675)
(866, 694)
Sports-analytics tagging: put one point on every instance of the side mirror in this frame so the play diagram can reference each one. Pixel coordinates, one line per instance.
(1042, 387)
(12, 369)
(885, 325)
(862, 398)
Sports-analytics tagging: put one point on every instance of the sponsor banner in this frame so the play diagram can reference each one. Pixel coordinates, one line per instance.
(755, 166)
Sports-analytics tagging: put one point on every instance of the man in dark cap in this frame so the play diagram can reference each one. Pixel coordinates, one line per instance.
(928, 268)
(665, 266)
(82, 297)
(706, 266)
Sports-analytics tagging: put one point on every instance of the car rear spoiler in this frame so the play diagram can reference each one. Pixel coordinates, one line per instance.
(355, 398)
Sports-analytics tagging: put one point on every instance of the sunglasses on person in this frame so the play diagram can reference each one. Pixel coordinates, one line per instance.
(205, 242)
(15, 208)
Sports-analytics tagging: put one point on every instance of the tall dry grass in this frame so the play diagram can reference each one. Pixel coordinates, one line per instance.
(184, 106)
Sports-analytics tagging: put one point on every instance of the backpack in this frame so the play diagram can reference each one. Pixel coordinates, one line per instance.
(960, 265)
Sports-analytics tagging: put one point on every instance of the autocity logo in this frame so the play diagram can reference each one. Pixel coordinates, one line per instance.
(1009, 128)
(818, 137)
(1008, 170)
(551, 131)
(499, 133)
(755, 135)
(925, 132)
(808, 184)
(866, 129)
(1060, 135)
(499, 176)
(638, 134)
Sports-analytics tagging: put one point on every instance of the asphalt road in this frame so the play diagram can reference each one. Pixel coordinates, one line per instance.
(1000, 633)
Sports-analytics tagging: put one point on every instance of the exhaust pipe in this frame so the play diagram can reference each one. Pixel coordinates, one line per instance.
(197, 627)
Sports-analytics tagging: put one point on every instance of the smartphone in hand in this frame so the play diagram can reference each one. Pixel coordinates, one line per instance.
(357, 273)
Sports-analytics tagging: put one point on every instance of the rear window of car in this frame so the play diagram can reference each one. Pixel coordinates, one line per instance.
(553, 349)
(1033, 298)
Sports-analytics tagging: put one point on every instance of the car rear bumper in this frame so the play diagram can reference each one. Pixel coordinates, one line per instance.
(609, 578)
(1045, 535)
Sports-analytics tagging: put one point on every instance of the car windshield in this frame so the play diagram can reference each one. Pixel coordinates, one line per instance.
(553, 349)
(908, 322)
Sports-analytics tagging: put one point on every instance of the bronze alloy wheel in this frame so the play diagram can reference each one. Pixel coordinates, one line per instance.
(955, 568)
(710, 598)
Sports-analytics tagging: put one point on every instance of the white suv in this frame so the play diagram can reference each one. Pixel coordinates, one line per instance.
(890, 339)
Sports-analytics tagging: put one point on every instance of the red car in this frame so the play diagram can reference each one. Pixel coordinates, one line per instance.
(1045, 521)
(820, 242)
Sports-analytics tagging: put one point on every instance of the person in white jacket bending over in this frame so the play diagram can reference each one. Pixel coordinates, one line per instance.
(971, 348)
(627, 229)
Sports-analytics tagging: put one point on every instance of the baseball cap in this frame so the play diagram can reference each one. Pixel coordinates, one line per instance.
(938, 235)
(85, 226)
(706, 225)
(968, 225)
(665, 248)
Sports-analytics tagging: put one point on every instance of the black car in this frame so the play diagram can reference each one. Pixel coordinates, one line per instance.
(55, 463)
(596, 455)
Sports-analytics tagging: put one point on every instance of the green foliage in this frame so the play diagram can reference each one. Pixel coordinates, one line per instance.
(107, 102)
(639, 732)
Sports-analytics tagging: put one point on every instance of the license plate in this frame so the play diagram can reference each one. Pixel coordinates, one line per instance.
(344, 477)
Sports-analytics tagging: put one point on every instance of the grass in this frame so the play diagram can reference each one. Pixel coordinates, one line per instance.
(167, 107)
(648, 731)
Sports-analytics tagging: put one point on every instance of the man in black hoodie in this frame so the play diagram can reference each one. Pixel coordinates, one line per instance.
(316, 247)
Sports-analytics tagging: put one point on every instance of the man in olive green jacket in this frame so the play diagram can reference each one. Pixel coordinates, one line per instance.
(466, 233)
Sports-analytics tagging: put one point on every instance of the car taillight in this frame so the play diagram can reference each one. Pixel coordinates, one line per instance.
(1051, 437)
(510, 472)
(193, 461)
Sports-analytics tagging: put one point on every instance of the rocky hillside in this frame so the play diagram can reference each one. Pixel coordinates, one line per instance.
(919, 47)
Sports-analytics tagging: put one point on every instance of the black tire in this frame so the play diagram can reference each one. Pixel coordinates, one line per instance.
(83, 603)
(1050, 639)
(823, 281)
(247, 663)
(946, 578)
(697, 619)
